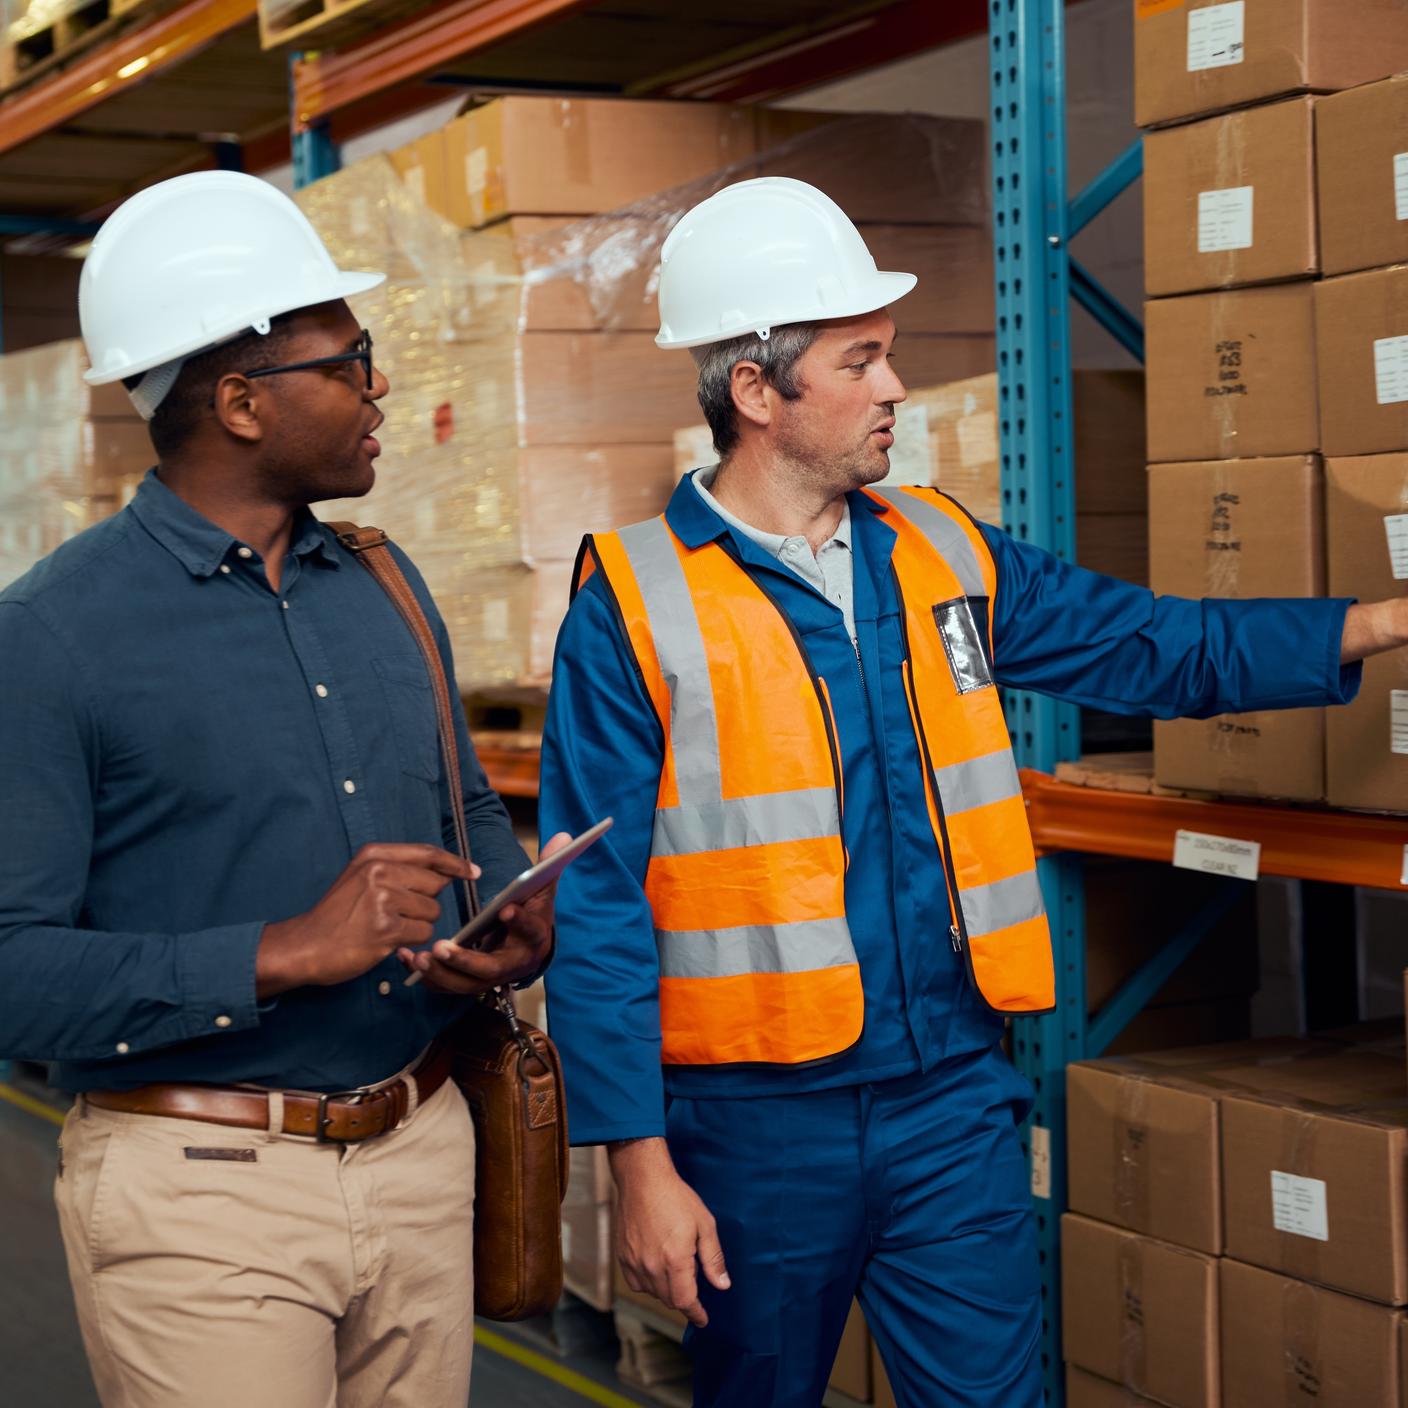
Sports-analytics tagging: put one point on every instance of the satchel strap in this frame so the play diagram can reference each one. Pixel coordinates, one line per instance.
(369, 547)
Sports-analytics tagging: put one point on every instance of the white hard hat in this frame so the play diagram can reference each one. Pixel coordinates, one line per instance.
(195, 261)
(762, 253)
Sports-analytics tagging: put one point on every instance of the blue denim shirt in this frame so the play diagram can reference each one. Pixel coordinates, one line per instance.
(1058, 629)
(185, 755)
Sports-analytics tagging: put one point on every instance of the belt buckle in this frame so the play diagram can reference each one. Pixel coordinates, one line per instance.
(323, 1119)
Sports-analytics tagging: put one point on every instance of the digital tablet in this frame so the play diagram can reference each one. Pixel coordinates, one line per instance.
(523, 887)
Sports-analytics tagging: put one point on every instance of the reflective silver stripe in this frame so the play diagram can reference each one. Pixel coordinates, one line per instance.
(746, 821)
(947, 538)
(679, 645)
(978, 781)
(988, 908)
(755, 948)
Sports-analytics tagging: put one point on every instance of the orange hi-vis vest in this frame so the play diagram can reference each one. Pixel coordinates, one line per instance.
(746, 880)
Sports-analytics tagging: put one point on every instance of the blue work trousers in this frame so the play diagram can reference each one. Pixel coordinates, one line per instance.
(911, 1194)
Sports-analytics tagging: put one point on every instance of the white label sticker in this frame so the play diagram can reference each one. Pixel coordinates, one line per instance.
(1397, 526)
(1217, 855)
(1215, 36)
(910, 461)
(1400, 184)
(1041, 1161)
(1398, 721)
(1298, 1206)
(1391, 369)
(1225, 219)
(1404, 880)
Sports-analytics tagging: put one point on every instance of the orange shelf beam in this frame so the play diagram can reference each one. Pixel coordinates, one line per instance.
(512, 770)
(327, 83)
(1347, 848)
(111, 68)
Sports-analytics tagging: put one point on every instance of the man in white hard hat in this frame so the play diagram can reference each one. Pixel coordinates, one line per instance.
(224, 845)
(782, 980)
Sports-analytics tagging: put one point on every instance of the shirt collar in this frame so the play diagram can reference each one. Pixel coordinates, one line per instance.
(200, 545)
(696, 517)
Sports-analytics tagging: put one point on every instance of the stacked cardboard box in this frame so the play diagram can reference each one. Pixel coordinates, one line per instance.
(1254, 185)
(71, 454)
(1238, 1226)
(529, 403)
(1362, 327)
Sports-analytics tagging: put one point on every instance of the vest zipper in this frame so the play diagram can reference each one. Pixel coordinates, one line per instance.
(957, 932)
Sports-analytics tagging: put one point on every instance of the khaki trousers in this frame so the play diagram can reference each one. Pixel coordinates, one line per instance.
(234, 1268)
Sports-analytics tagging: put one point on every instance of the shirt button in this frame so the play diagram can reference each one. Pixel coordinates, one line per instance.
(349, 786)
(222, 1021)
(321, 690)
(123, 1048)
(225, 568)
(245, 552)
(384, 988)
(284, 604)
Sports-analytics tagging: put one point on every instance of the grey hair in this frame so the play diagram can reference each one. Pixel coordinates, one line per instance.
(777, 357)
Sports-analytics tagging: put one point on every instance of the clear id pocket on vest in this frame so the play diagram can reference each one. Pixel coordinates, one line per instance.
(963, 629)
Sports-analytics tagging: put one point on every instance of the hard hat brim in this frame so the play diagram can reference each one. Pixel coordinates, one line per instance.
(343, 285)
(885, 288)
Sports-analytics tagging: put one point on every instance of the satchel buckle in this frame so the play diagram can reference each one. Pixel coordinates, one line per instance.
(360, 539)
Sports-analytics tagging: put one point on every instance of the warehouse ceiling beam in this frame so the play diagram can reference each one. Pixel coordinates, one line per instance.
(324, 84)
(112, 68)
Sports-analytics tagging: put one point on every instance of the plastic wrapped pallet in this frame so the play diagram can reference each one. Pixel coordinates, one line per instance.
(71, 454)
(529, 403)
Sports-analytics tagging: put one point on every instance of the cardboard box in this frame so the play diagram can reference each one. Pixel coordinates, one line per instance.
(1313, 1164)
(581, 156)
(1140, 1312)
(1232, 375)
(564, 284)
(1361, 333)
(882, 1395)
(1240, 528)
(1231, 200)
(1361, 140)
(851, 1372)
(946, 435)
(1208, 55)
(1131, 905)
(1144, 1136)
(1293, 1342)
(1088, 1391)
(1367, 530)
(588, 1252)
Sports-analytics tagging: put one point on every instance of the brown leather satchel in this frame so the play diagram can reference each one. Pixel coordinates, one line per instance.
(507, 1069)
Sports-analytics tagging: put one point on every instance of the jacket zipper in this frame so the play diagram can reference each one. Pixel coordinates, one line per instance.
(957, 933)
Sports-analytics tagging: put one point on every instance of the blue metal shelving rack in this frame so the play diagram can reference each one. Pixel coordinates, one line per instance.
(1034, 222)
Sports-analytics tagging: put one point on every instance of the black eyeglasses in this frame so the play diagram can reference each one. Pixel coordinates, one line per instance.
(361, 353)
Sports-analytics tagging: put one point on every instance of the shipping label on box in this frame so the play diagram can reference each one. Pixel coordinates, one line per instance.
(1391, 369)
(1225, 219)
(1217, 36)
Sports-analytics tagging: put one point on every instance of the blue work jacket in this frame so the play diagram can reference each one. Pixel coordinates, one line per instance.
(1075, 634)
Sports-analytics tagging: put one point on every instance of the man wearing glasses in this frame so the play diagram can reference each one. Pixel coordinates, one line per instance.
(223, 843)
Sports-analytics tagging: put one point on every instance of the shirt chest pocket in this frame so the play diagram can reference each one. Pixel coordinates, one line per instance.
(963, 628)
(406, 686)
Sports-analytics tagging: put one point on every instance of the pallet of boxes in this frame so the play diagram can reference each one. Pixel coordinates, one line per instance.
(529, 403)
(1276, 254)
(71, 454)
(1238, 1233)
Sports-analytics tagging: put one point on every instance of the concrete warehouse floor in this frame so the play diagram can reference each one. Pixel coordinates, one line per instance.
(43, 1354)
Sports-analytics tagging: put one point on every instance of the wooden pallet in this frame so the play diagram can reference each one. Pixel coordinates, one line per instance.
(34, 47)
(652, 1360)
(1118, 772)
(324, 24)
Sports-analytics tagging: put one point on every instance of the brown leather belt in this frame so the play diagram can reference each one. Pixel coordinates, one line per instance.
(342, 1117)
